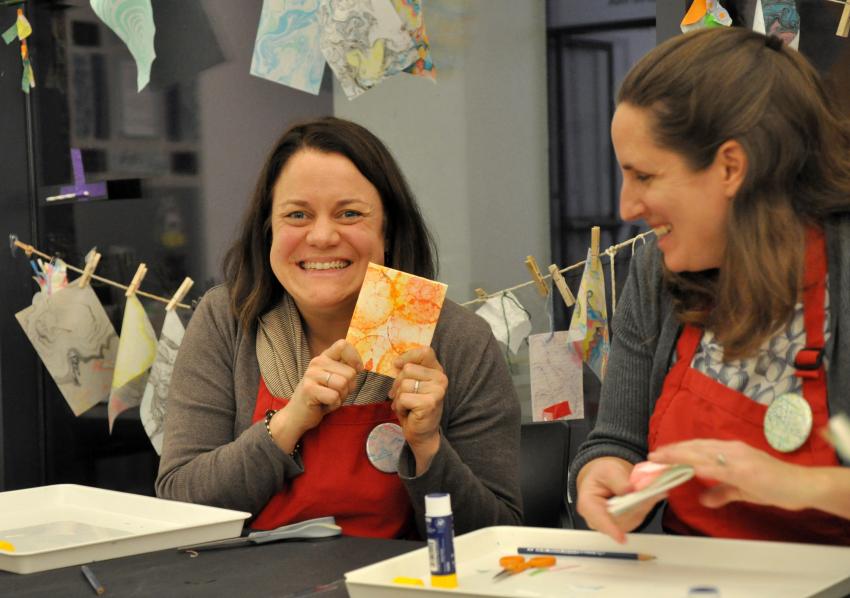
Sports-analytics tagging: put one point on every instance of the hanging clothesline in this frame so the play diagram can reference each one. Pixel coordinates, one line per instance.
(30, 250)
(610, 252)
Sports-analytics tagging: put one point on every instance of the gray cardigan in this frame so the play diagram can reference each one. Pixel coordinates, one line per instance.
(212, 453)
(644, 333)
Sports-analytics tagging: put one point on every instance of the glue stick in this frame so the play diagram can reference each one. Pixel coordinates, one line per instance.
(439, 526)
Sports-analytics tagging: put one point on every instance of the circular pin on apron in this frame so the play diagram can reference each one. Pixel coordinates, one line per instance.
(788, 422)
(383, 446)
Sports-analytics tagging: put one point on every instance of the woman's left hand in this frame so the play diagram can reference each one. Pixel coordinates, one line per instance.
(417, 394)
(743, 473)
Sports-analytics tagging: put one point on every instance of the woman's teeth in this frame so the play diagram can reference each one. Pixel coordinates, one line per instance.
(662, 230)
(337, 265)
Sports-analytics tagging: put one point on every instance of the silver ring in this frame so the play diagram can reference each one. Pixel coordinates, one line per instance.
(328, 378)
(720, 458)
(416, 387)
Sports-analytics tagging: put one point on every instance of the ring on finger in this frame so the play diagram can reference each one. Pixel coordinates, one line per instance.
(328, 378)
(720, 458)
(416, 387)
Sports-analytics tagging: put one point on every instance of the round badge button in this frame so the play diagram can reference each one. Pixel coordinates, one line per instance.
(788, 422)
(383, 446)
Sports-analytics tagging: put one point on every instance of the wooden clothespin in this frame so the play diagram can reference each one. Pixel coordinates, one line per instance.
(561, 284)
(481, 294)
(844, 24)
(28, 249)
(594, 243)
(181, 292)
(137, 280)
(531, 263)
(91, 264)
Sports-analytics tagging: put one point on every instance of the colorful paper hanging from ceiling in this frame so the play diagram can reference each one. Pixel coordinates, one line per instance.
(21, 30)
(132, 21)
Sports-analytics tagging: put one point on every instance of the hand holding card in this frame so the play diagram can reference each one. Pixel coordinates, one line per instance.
(650, 480)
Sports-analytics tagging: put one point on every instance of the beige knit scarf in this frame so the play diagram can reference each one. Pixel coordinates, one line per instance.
(284, 354)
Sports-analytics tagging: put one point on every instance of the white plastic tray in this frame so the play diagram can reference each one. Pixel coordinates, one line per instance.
(63, 525)
(733, 567)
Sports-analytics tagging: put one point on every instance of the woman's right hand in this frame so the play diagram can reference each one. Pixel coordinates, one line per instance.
(598, 481)
(329, 379)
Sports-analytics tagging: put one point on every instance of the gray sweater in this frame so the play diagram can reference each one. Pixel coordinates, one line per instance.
(212, 453)
(645, 331)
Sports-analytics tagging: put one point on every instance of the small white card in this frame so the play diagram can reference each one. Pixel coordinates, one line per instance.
(676, 475)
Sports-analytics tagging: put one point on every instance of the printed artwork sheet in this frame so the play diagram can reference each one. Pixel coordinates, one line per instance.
(136, 354)
(395, 312)
(75, 340)
(557, 389)
(287, 48)
(132, 21)
(153, 405)
(589, 322)
(364, 42)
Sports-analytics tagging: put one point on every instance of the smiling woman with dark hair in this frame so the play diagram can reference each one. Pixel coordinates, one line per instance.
(269, 409)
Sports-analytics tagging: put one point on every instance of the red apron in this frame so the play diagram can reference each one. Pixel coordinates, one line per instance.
(692, 405)
(338, 477)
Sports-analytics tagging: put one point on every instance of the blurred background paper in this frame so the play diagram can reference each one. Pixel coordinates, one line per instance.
(705, 14)
(395, 312)
(556, 377)
(779, 18)
(287, 49)
(185, 43)
(153, 405)
(364, 42)
(589, 323)
(136, 354)
(75, 340)
(507, 318)
(411, 15)
(132, 21)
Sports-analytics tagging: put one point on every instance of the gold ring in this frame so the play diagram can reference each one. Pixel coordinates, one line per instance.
(328, 378)
(720, 458)
(416, 387)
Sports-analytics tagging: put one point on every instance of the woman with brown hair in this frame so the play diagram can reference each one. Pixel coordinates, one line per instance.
(271, 411)
(732, 338)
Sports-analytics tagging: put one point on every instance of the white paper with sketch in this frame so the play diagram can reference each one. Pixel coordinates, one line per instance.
(153, 405)
(75, 340)
(556, 377)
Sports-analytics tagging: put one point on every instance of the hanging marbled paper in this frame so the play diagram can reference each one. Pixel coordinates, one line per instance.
(556, 377)
(75, 340)
(132, 21)
(153, 405)
(589, 322)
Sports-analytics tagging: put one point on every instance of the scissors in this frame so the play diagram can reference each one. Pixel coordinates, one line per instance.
(511, 565)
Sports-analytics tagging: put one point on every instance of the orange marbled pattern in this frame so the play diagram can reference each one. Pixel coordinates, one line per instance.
(395, 312)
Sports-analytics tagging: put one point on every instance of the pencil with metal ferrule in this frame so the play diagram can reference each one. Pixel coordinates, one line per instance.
(599, 554)
(93, 581)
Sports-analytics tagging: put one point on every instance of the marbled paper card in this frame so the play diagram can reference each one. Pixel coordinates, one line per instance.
(410, 12)
(136, 354)
(75, 340)
(132, 21)
(152, 410)
(395, 312)
(589, 322)
(364, 42)
(556, 377)
(287, 49)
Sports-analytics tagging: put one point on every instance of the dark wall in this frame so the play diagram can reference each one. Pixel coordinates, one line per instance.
(21, 418)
